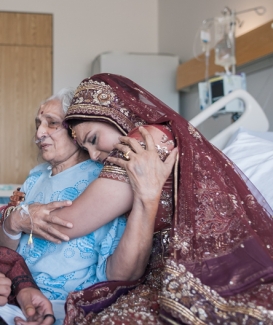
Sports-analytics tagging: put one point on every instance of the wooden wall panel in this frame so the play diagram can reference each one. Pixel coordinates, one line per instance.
(25, 80)
(25, 29)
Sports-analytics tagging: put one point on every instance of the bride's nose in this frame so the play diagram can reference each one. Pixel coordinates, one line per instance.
(94, 154)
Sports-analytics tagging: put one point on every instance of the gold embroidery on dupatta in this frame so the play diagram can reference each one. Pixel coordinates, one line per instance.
(94, 99)
(185, 297)
(194, 133)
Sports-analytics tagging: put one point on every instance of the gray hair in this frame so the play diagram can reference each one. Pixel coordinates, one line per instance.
(65, 96)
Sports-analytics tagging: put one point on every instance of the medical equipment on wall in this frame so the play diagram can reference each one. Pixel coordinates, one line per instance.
(219, 33)
(219, 86)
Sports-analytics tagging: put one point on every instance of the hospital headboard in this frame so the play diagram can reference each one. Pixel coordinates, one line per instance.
(253, 117)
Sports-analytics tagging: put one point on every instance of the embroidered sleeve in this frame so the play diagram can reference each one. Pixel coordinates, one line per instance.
(113, 171)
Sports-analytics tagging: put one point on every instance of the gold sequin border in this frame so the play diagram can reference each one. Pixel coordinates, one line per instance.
(204, 290)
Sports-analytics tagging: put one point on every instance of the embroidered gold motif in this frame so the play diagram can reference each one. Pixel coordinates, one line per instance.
(103, 96)
(183, 295)
(194, 132)
(98, 100)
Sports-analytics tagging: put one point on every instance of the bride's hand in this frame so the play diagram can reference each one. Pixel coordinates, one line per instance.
(40, 221)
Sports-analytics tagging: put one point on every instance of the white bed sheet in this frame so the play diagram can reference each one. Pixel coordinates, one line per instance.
(252, 152)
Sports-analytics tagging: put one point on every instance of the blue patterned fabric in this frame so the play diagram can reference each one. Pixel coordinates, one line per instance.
(79, 263)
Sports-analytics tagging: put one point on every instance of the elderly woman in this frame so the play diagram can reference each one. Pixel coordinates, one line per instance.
(60, 268)
(58, 149)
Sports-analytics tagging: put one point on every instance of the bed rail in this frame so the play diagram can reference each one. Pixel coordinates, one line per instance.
(253, 117)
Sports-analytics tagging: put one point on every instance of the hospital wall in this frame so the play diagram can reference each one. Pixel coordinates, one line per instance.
(83, 29)
(179, 22)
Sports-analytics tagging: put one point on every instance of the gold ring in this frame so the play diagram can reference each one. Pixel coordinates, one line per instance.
(126, 155)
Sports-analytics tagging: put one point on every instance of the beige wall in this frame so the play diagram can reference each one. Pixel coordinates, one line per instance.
(83, 29)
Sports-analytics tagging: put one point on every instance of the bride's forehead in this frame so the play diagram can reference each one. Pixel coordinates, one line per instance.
(93, 125)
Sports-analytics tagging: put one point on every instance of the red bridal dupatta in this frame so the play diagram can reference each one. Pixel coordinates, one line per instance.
(219, 266)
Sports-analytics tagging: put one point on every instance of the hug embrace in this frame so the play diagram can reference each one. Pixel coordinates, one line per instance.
(178, 234)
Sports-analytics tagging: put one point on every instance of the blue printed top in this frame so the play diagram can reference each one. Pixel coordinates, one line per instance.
(81, 262)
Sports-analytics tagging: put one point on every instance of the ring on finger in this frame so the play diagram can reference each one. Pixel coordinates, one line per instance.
(126, 155)
(52, 316)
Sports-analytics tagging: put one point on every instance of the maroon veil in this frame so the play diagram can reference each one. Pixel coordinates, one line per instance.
(220, 261)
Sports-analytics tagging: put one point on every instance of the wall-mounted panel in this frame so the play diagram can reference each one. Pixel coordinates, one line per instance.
(25, 80)
(25, 29)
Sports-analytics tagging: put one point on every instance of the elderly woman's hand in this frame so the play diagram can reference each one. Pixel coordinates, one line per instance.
(146, 171)
(39, 221)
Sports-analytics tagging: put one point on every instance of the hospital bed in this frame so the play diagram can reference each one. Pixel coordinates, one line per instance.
(246, 142)
(253, 117)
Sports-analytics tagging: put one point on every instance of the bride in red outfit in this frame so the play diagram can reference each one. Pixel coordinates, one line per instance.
(212, 252)
(212, 257)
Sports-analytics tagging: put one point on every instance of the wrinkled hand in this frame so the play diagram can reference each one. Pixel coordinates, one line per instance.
(34, 306)
(5, 288)
(42, 221)
(146, 171)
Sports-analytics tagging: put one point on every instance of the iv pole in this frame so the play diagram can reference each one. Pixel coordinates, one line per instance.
(259, 10)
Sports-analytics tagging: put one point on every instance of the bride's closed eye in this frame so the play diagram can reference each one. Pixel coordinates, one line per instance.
(93, 140)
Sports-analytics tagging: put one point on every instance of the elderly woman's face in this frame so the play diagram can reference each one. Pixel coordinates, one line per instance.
(51, 137)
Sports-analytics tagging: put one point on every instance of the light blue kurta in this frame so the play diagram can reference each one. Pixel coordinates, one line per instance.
(79, 263)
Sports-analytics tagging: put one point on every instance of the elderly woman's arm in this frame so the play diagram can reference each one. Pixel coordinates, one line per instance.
(147, 175)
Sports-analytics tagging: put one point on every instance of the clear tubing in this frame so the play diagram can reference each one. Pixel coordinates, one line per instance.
(47, 136)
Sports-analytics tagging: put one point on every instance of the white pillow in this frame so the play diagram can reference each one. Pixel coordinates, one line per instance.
(254, 156)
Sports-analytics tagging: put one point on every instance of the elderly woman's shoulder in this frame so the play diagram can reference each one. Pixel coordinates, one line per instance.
(90, 164)
(40, 168)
